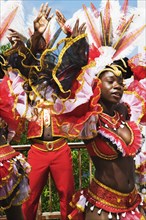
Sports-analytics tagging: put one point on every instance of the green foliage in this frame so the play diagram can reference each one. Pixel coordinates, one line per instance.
(3, 48)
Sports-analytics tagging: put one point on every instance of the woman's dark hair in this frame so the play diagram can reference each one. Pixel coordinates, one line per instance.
(122, 62)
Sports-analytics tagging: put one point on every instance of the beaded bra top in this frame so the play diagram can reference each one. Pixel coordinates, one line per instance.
(108, 144)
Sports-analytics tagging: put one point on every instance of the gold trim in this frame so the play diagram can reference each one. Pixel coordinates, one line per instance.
(112, 190)
(101, 155)
(104, 201)
(5, 145)
(47, 143)
(3, 155)
(142, 103)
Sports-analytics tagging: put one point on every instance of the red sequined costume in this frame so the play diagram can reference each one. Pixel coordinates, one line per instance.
(14, 187)
(108, 145)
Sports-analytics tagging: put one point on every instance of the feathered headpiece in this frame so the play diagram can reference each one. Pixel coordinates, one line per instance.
(113, 31)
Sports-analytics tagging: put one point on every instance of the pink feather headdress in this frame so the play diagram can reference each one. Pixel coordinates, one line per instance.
(113, 31)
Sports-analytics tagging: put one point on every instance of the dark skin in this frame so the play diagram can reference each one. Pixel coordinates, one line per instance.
(119, 173)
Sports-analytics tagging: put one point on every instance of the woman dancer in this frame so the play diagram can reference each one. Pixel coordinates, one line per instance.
(14, 186)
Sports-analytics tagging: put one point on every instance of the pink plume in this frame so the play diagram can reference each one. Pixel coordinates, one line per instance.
(94, 9)
(125, 25)
(125, 7)
(126, 41)
(106, 24)
(90, 25)
(106, 17)
(7, 21)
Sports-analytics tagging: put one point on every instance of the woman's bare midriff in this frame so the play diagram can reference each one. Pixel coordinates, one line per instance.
(117, 174)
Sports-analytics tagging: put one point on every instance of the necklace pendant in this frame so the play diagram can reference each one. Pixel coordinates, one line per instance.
(122, 126)
(114, 129)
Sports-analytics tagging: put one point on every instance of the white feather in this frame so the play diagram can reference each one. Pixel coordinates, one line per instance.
(18, 22)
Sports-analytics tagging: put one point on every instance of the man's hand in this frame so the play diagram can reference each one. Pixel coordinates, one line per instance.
(77, 30)
(43, 19)
(60, 18)
(16, 39)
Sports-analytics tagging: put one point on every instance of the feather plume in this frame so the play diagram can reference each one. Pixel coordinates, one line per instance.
(125, 7)
(123, 30)
(12, 16)
(123, 25)
(47, 34)
(126, 41)
(7, 22)
(106, 24)
(95, 11)
(77, 15)
(106, 17)
(118, 28)
(95, 34)
(30, 32)
(115, 17)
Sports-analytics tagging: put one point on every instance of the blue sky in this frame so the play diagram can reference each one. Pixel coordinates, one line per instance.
(67, 7)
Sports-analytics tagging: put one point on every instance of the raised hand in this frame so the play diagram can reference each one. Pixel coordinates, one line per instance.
(16, 39)
(43, 19)
(77, 30)
(60, 18)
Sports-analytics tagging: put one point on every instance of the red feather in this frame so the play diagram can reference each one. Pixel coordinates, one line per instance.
(7, 21)
(106, 24)
(126, 41)
(125, 25)
(106, 17)
(125, 7)
(95, 11)
(94, 32)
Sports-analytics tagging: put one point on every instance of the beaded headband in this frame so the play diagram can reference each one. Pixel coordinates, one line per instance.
(117, 70)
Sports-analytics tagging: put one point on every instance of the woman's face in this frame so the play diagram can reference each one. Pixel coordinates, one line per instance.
(112, 87)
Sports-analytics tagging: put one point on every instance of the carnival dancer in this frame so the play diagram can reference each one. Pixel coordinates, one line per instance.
(47, 153)
(103, 120)
(14, 184)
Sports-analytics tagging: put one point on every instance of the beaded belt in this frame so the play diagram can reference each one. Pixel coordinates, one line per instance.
(49, 145)
(111, 200)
